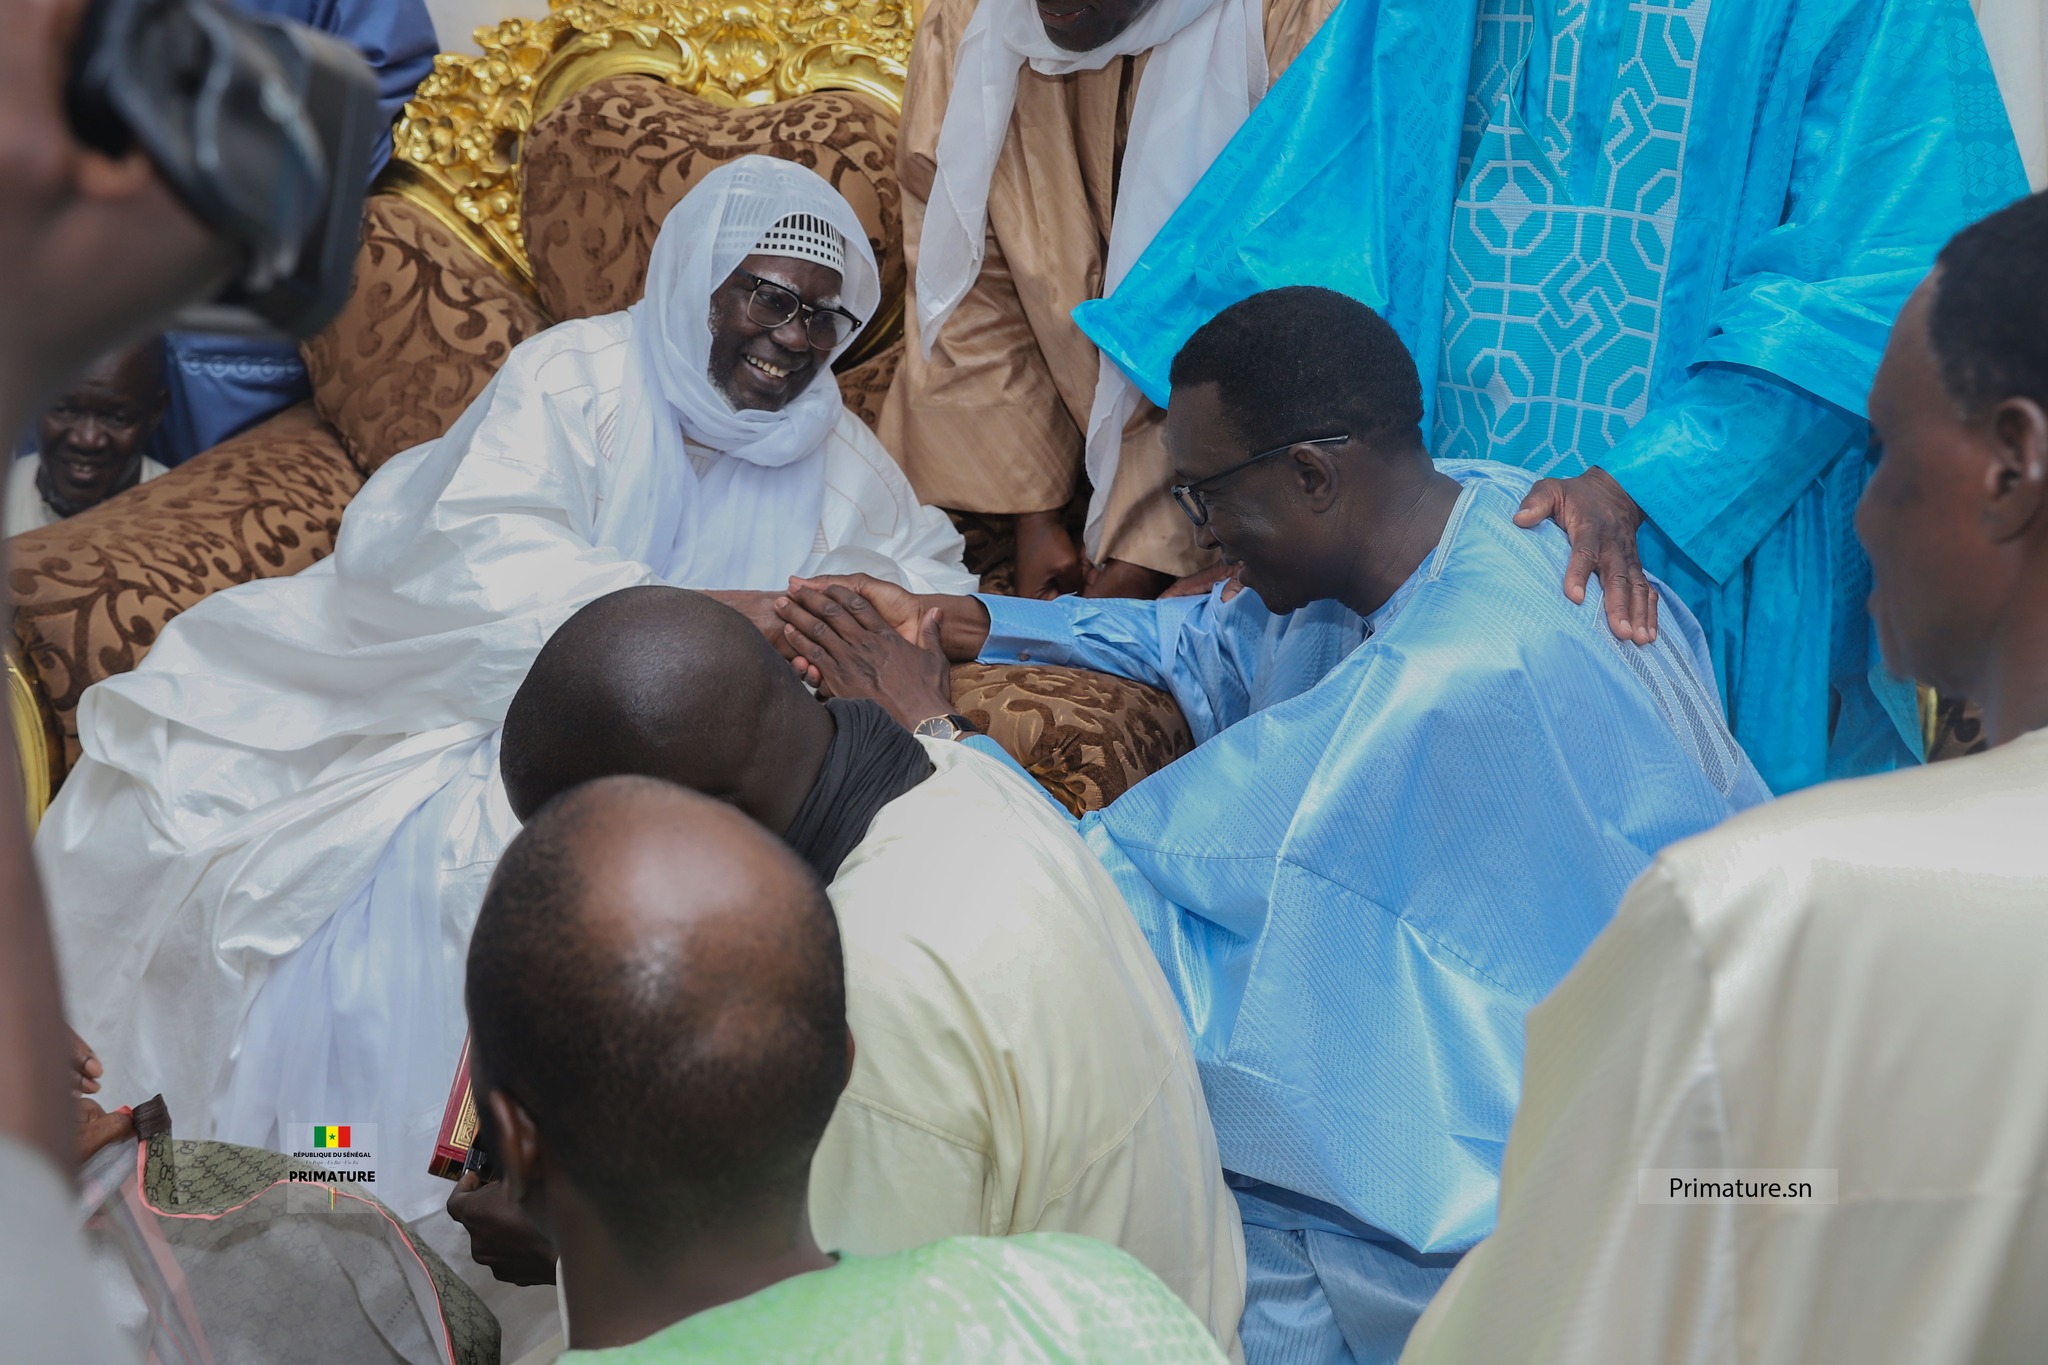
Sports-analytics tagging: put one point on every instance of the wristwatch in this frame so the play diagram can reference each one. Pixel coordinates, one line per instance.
(952, 725)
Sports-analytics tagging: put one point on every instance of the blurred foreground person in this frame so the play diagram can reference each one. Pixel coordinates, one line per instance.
(1022, 1066)
(90, 440)
(98, 252)
(223, 384)
(660, 1037)
(264, 867)
(1845, 988)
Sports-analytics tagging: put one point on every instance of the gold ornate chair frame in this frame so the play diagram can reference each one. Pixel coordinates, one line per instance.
(455, 150)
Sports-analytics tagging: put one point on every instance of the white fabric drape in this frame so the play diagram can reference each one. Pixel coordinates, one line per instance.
(1206, 71)
(241, 786)
(769, 480)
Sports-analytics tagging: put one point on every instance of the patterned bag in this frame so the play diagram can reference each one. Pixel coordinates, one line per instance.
(212, 1254)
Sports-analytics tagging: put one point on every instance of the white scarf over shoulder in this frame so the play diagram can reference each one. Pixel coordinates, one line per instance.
(1207, 70)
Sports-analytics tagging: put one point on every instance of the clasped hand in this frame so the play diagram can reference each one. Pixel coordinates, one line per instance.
(857, 637)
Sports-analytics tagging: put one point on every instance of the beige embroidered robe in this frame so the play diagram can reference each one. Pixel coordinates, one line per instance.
(995, 420)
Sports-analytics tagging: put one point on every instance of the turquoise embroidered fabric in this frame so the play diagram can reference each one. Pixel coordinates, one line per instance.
(1664, 237)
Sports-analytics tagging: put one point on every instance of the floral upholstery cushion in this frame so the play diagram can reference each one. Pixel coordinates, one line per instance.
(599, 172)
(91, 593)
(1087, 737)
(865, 385)
(427, 325)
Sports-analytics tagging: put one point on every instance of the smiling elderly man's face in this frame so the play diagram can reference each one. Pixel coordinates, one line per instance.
(760, 366)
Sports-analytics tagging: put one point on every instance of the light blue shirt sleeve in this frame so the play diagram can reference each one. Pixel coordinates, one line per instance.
(1220, 661)
(1203, 651)
(1892, 150)
(1110, 635)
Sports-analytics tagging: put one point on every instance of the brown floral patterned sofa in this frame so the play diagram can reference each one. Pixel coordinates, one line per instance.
(526, 188)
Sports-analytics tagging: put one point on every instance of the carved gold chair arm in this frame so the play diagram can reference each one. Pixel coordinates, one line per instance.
(30, 719)
(455, 152)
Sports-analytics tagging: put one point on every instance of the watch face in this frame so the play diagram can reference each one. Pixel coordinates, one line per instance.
(938, 727)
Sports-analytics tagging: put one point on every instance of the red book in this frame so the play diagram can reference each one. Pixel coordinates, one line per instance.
(458, 1123)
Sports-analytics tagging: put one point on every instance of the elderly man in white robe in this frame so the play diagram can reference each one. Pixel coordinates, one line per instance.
(264, 870)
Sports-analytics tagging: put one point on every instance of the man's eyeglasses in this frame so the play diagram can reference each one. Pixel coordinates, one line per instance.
(1189, 497)
(772, 305)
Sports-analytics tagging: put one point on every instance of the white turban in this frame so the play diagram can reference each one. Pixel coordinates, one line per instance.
(769, 488)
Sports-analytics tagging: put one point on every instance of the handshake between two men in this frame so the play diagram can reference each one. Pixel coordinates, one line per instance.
(860, 638)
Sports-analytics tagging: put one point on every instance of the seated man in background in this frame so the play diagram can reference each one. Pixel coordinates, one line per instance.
(263, 870)
(1022, 1066)
(90, 440)
(1843, 989)
(1424, 780)
(660, 1036)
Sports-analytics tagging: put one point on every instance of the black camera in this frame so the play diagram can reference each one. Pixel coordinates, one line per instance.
(263, 128)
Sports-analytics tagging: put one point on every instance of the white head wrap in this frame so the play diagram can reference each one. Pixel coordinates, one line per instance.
(1208, 71)
(750, 520)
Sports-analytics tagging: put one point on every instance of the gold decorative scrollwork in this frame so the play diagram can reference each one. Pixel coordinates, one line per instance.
(455, 152)
(26, 712)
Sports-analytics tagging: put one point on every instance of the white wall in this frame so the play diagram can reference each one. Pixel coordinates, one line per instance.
(2016, 36)
(455, 20)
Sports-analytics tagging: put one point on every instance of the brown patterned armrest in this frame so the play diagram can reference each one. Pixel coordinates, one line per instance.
(427, 323)
(1087, 737)
(864, 386)
(600, 171)
(91, 593)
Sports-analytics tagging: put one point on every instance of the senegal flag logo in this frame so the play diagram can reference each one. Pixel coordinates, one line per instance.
(333, 1136)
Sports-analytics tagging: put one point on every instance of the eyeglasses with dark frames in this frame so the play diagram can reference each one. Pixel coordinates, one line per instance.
(772, 305)
(1189, 497)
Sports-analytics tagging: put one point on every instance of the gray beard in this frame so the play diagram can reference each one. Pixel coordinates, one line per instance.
(723, 383)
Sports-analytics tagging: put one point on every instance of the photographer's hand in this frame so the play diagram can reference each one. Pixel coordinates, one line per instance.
(98, 252)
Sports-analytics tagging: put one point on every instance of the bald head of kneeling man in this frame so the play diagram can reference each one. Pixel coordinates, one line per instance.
(1022, 1064)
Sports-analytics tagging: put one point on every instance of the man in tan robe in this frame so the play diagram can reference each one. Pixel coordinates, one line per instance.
(995, 417)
